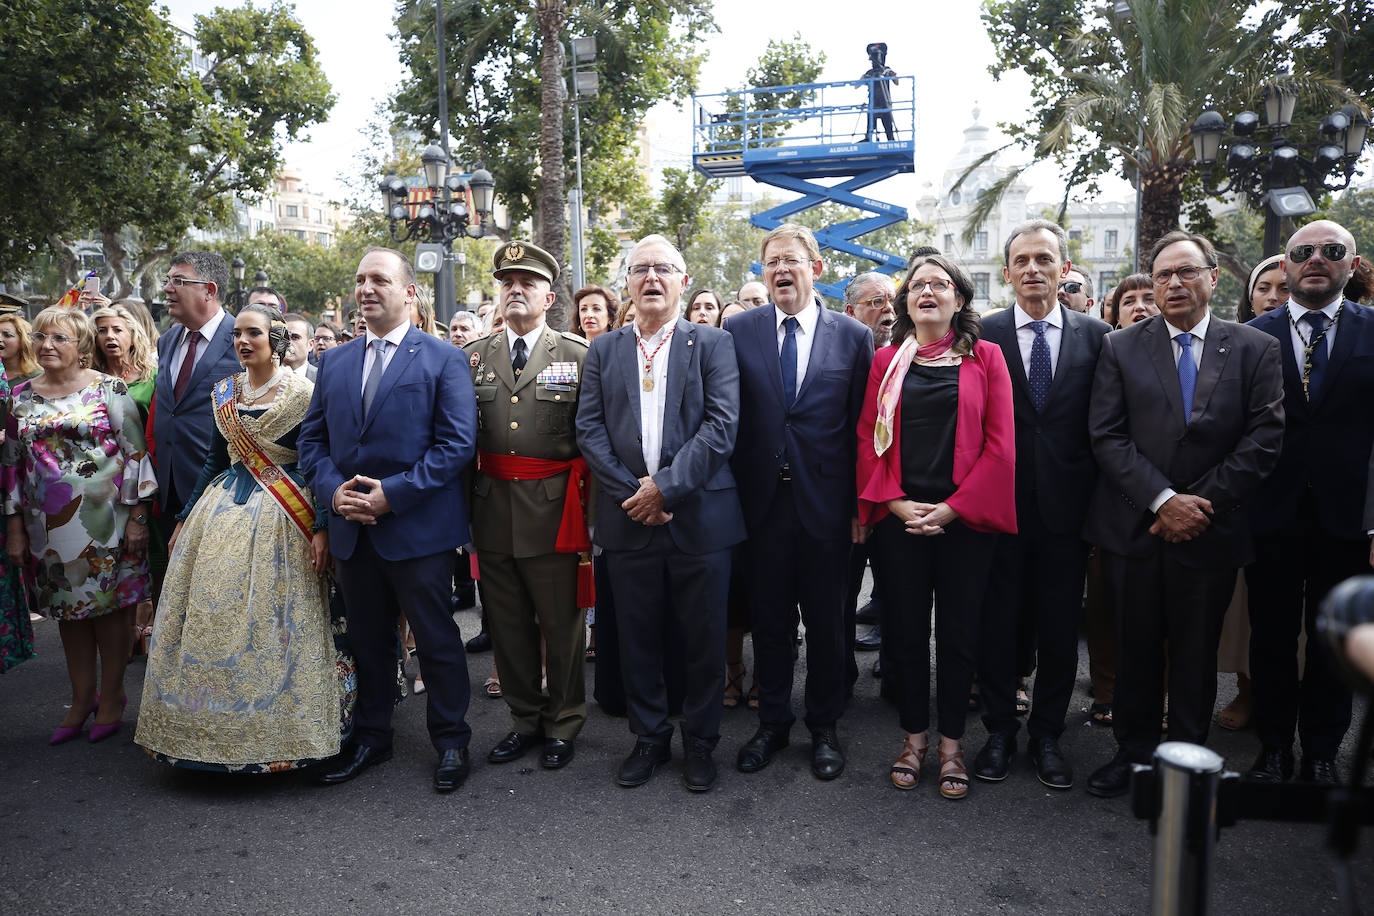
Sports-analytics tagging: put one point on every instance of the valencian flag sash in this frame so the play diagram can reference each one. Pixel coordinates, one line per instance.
(265, 471)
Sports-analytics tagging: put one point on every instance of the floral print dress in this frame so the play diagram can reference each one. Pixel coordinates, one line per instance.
(82, 466)
(16, 631)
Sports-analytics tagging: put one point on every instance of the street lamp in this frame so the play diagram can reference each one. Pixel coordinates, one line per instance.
(236, 268)
(1283, 181)
(260, 278)
(585, 85)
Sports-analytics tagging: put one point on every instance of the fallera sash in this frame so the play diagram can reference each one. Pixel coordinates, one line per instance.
(265, 471)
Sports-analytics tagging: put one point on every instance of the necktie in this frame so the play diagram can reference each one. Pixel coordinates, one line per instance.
(1039, 366)
(1314, 366)
(788, 358)
(1187, 374)
(188, 365)
(518, 360)
(374, 375)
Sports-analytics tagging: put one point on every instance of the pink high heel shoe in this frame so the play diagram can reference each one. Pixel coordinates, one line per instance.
(65, 733)
(101, 732)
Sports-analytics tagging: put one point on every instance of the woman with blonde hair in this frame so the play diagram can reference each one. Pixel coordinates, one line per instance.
(122, 349)
(16, 351)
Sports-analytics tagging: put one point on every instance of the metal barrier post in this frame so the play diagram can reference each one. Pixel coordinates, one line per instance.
(1186, 780)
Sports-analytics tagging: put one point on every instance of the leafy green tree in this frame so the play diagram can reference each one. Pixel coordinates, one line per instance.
(783, 63)
(680, 210)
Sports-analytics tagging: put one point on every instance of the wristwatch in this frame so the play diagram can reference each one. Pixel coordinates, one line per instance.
(140, 519)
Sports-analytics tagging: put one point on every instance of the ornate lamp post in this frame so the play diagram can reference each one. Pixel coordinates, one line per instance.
(1283, 179)
(236, 268)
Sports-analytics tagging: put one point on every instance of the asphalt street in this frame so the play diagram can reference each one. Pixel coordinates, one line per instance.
(104, 829)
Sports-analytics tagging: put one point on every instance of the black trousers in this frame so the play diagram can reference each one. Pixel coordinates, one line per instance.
(1165, 611)
(953, 568)
(1037, 585)
(608, 683)
(788, 567)
(374, 592)
(1287, 583)
(652, 586)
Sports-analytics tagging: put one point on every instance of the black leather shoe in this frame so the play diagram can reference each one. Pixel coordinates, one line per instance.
(699, 774)
(868, 614)
(758, 751)
(994, 759)
(1318, 770)
(353, 761)
(1111, 779)
(512, 747)
(558, 753)
(453, 768)
(1050, 765)
(479, 643)
(827, 759)
(639, 767)
(1272, 765)
(871, 641)
(464, 597)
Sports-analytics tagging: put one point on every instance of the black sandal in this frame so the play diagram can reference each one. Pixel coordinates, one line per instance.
(735, 683)
(1101, 714)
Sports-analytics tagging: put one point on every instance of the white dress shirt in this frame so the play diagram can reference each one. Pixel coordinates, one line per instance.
(1300, 332)
(1025, 335)
(1199, 332)
(530, 340)
(207, 334)
(393, 337)
(652, 403)
(805, 334)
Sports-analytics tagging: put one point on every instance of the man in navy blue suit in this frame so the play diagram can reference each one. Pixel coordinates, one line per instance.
(656, 422)
(391, 427)
(192, 356)
(1309, 533)
(803, 371)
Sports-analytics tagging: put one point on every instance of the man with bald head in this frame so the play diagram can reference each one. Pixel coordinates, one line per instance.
(1307, 517)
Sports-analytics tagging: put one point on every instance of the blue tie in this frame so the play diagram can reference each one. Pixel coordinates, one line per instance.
(1040, 374)
(788, 357)
(1187, 374)
(1314, 366)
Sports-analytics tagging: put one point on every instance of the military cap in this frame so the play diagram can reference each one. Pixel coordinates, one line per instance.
(11, 304)
(524, 256)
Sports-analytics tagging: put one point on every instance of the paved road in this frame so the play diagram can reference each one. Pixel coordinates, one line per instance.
(103, 829)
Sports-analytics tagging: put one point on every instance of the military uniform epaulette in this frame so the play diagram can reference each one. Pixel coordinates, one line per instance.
(569, 335)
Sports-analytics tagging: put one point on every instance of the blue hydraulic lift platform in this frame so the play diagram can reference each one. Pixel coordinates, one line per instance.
(834, 132)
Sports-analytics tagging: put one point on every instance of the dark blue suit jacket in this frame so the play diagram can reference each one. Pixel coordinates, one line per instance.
(417, 439)
(1327, 441)
(1055, 470)
(700, 419)
(185, 426)
(818, 435)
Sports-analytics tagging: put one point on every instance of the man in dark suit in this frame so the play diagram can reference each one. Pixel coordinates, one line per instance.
(192, 356)
(1051, 350)
(656, 422)
(1186, 420)
(391, 426)
(1309, 534)
(803, 372)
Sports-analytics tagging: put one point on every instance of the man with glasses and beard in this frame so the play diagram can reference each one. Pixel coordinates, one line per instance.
(1307, 517)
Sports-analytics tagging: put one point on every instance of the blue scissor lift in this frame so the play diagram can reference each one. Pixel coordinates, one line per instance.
(833, 133)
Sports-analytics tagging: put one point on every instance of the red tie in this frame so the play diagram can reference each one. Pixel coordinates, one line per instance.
(188, 364)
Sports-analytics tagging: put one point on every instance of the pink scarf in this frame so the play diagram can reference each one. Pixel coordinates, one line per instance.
(936, 353)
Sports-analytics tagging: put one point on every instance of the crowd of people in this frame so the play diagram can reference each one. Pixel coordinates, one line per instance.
(306, 505)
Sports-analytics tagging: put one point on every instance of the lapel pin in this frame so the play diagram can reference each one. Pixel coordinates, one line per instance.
(1221, 349)
(690, 341)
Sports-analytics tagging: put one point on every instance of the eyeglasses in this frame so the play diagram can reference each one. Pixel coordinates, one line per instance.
(1186, 274)
(1072, 287)
(324, 338)
(1332, 251)
(59, 340)
(878, 302)
(661, 270)
(180, 281)
(789, 263)
(936, 286)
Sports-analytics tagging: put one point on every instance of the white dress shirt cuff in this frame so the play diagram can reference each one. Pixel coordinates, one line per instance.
(1164, 496)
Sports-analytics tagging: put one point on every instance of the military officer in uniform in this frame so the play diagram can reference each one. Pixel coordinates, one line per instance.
(529, 498)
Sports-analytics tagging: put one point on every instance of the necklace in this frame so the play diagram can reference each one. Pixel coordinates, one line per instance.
(647, 383)
(254, 394)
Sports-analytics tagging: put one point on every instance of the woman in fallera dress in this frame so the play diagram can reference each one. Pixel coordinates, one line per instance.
(246, 670)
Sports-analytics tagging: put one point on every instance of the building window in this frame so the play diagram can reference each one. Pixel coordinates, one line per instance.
(1105, 281)
(319, 215)
(980, 242)
(322, 238)
(980, 286)
(949, 242)
(300, 234)
(1075, 235)
(1109, 239)
(292, 211)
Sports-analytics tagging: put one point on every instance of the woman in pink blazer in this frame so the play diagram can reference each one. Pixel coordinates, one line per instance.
(936, 480)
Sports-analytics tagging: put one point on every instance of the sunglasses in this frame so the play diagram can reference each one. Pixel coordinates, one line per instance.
(1332, 251)
(1072, 287)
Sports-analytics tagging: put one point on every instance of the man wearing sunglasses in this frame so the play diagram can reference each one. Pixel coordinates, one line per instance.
(1307, 517)
(1076, 291)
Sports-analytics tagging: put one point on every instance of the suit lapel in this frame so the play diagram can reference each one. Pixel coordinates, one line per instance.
(410, 345)
(541, 354)
(498, 358)
(627, 360)
(820, 345)
(679, 363)
(351, 373)
(1161, 354)
(766, 339)
(1216, 349)
(1070, 339)
(1340, 351)
(214, 351)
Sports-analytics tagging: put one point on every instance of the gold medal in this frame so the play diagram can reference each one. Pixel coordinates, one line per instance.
(647, 384)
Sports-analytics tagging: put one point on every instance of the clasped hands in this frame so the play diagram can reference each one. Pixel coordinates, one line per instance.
(360, 505)
(922, 518)
(1182, 518)
(646, 505)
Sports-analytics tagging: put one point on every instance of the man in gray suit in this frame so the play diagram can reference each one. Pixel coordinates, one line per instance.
(1186, 421)
(192, 356)
(656, 423)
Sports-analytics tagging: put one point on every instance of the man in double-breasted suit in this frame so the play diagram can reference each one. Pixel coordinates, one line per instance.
(1309, 533)
(1051, 352)
(656, 422)
(803, 372)
(1186, 420)
(530, 482)
(192, 356)
(391, 426)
